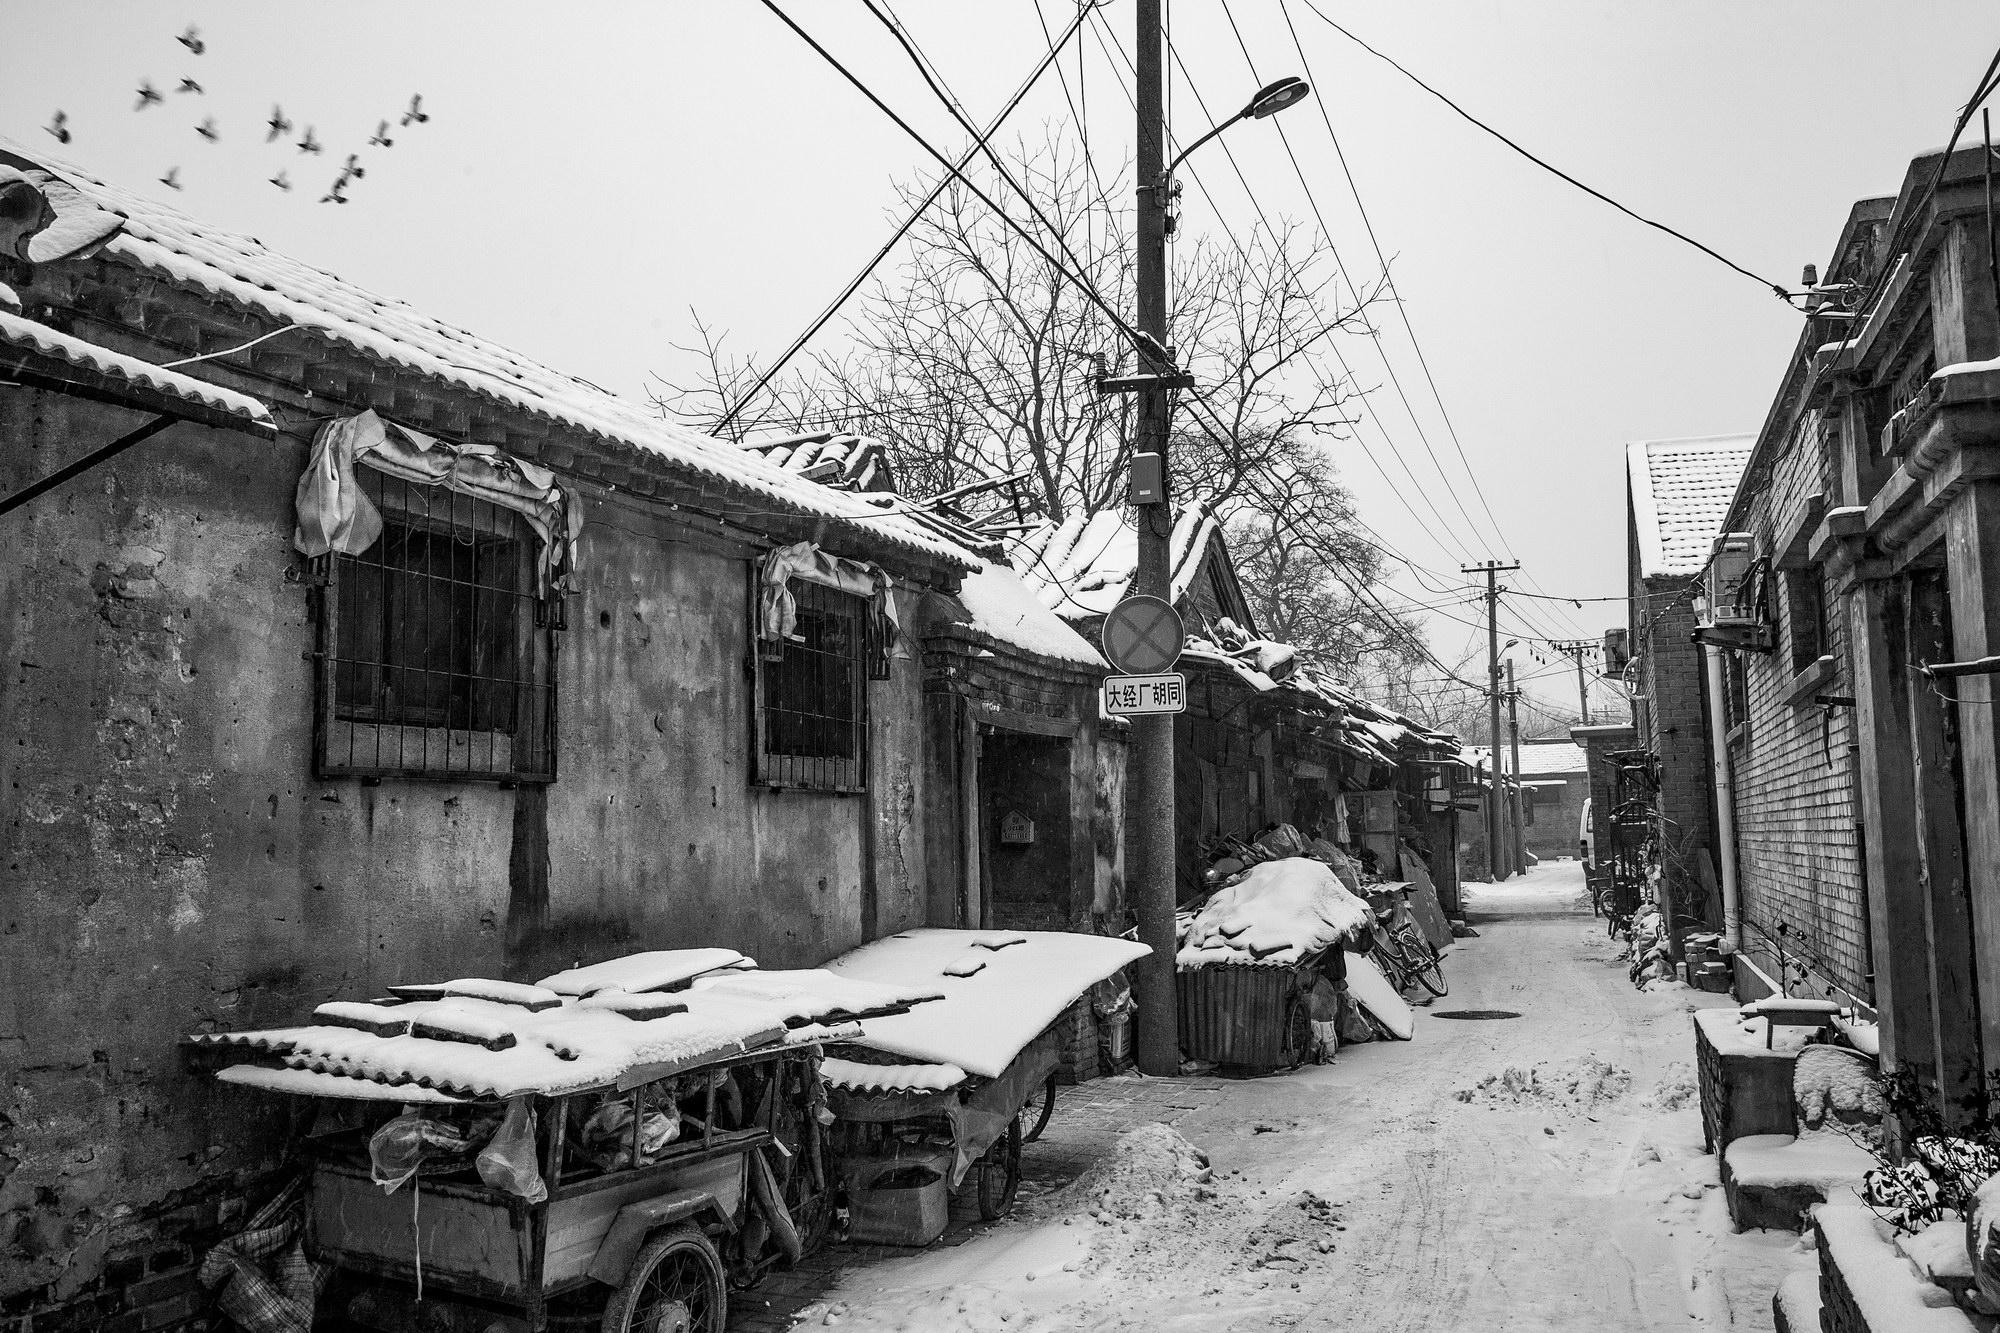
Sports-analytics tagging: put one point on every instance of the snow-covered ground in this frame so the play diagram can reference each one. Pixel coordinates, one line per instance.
(1543, 1172)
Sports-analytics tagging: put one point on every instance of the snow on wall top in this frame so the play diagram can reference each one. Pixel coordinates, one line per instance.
(989, 1017)
(1084, 565)
(1681, 490)
(241, 268)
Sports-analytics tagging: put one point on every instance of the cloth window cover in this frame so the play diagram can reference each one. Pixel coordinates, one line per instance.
(777, 610)
(335, 515)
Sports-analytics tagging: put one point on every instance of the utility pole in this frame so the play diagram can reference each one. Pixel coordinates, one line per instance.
(1495, 815)
(1578, 649)
(1152, 754)
(1514, 733)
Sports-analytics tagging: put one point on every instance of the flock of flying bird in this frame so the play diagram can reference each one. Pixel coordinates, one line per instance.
(278, 126)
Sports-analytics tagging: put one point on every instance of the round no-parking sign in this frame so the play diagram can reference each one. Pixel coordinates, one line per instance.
(1143, 636)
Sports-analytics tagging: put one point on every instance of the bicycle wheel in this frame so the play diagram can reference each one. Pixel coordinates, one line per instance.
(1000, 1173)
(1035, 1112)
(1392, 966)
(1425, 965)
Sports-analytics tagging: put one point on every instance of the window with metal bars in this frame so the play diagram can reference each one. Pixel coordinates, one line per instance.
(436, 650)
(812, 693)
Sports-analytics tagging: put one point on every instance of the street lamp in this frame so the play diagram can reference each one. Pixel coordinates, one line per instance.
(1149, 828)
(1269, 101)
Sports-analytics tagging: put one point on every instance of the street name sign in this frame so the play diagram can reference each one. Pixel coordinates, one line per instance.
(1165, 692)
(1143, 636)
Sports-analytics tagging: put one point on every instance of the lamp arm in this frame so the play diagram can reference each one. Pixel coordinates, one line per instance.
(1169, 172)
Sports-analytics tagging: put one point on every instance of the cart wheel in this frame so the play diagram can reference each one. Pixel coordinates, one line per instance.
(1035, 1112)
(1298, 1032)
(1000, 1173)
(674, 1286)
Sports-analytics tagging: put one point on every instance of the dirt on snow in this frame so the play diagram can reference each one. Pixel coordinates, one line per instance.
(1542, 1173)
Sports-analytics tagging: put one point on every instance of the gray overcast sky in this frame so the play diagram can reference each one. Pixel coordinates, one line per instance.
(594, 172)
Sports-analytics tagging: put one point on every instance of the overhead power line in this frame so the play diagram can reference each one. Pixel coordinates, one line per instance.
(1055, 48)
(1776, 288)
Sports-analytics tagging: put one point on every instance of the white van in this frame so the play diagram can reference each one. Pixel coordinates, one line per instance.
(1586, 837)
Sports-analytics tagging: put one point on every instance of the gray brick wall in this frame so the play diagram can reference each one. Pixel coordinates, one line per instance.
(1798, 856)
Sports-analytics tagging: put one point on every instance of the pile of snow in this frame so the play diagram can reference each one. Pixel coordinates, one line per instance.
(986, 1019)
(1677, 1087)
(1832, 1082)
(1279, 912)
(1579, 1085)
(1150, 1169)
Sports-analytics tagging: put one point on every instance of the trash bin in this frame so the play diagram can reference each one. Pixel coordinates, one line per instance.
(1241, 1015)
(898, 1200)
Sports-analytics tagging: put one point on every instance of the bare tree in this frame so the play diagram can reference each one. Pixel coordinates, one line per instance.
(979, 357)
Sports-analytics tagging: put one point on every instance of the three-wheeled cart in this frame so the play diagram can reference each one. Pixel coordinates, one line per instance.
(906, 1122)
(611, 1161)
(947, 1092)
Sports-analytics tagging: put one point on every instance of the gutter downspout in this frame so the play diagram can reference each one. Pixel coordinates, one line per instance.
(1725, 795)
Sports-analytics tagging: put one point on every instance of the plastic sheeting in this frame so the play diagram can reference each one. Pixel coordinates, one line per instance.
(777, 609)
(334, 514)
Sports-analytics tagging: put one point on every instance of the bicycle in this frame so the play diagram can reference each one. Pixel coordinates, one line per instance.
(1404, 956)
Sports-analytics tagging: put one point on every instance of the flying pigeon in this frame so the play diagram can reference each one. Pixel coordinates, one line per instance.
(309, 144)
(189, 86)
(191, 39)
(381, 139)
(416, 114)
(337, 194)
(59, 126)
(172, 180)
(148, 95)
(279, 125)
(207, 129)
(281, 180)
(354, 169)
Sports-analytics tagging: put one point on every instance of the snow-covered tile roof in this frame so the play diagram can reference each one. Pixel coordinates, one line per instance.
(1003, 607)
(854, 462)
(1083, 566)
(161, 239)
(117, 370)
(1680, 492)
(1539, 758)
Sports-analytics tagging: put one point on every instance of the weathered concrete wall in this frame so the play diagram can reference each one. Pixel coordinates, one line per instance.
(657, 839)
(170, 864)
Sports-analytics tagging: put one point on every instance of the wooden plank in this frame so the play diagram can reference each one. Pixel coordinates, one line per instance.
(1888, 801)
(1973, 552)
(1941, 853)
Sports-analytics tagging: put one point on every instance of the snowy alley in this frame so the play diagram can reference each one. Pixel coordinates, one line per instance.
(1538, 1172)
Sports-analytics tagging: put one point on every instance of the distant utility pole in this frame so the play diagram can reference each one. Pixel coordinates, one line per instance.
(1514, 733)
(1495, 815)
(1578, 649)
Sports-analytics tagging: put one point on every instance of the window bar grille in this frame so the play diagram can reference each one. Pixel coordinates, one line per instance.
(437, 629)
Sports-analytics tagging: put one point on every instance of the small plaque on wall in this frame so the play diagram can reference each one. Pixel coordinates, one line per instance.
(1016, 830)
